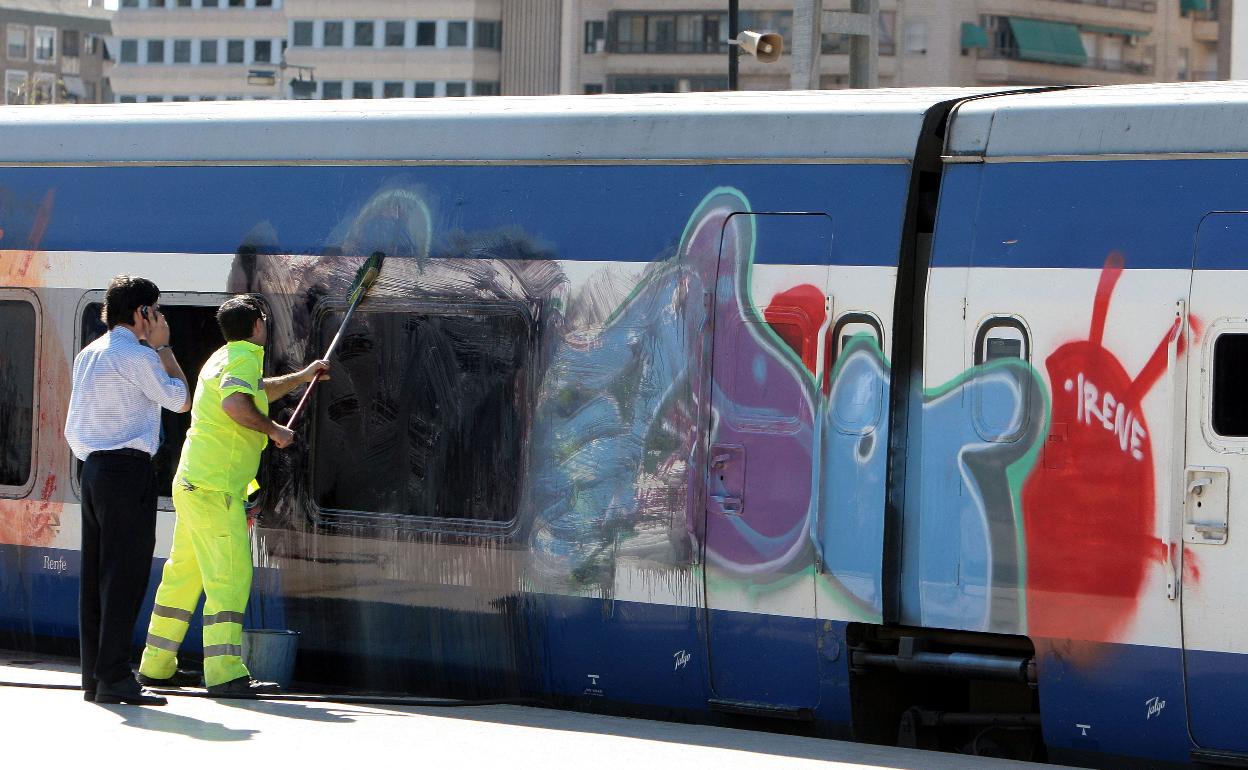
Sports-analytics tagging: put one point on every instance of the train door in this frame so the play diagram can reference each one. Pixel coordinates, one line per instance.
(771, 310)
(1214, 513)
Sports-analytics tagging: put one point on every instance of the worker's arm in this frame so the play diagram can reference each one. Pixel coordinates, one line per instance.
(242, 409)
(276, 387)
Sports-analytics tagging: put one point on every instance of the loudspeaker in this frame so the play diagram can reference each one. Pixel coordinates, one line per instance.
(764, 46)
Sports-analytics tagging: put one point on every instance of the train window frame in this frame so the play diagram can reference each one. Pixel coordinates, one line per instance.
(325, 516)
(21, 491)
(206, 300)
(979, 355)
(1225, 443)
(833, 348)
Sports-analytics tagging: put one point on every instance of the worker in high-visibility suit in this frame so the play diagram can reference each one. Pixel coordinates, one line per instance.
(211, 550)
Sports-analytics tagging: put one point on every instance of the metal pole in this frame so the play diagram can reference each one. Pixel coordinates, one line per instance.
(864, 50)
(807, 41)
(733, 48)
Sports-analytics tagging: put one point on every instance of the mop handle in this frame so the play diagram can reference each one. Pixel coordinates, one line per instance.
(333, 345)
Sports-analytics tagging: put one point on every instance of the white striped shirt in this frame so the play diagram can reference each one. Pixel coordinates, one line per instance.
(119, 389)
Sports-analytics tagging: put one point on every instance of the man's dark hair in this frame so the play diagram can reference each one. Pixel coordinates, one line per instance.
(237, 316)
(126, 294)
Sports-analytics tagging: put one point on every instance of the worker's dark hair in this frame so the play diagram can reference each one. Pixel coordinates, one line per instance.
(126, 294)
(237, 316)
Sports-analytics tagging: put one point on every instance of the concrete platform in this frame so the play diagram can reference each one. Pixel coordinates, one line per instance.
(57, 728)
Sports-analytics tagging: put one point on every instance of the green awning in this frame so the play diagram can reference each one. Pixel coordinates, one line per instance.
(973, 36)
(1193, 5)
(1048, 41)
(1113, 30)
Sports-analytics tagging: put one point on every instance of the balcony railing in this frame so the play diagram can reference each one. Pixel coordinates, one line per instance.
(1108, 65)
(1147, 6)
(668, 46)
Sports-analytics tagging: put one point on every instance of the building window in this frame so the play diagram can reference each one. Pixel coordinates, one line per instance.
(18, 47)
(127, 100)
(129, 51)
(916, 37)
(660, 84)
(396, 34)
(238, 3)
(264, 3)
(363, 37)
(155, 52)
(593, 88)
(426, 33)
(302, 33)
(44, 89)
(129, 3)
(235, 51)
(437, 407)
(392, 90)
(209, 3)
(15, 90)
(69, 43)
(456, 34)
(424, 89)
(208, 52)
(181, 99)
(19, 340)
(362, 89)
(595, 36)
(184, 3)
(331, 89)
(333, 34)
(456, 88)
(181, 52)
(486, 88)
(263, 51)
(488, 34)
(155, 3)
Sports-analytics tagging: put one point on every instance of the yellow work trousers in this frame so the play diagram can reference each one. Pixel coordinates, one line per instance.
(211, 555)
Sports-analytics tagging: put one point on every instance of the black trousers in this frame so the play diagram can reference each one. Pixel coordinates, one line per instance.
(118, 538)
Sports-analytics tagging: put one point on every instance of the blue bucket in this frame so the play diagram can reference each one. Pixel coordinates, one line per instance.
(270, 655)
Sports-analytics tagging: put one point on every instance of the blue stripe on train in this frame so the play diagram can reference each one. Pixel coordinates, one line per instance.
(1074, 214)
(609, 213)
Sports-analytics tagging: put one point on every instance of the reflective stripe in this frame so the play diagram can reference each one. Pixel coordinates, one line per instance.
(213, 650)
(225, 616)
(161, 643)
(173, 613)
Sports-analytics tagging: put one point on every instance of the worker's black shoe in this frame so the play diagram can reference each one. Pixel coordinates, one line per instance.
(88, 696)
(127, 691)
(243, 687)
(180, 678)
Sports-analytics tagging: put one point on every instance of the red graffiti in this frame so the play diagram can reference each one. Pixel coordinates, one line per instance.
(1089, 505)
(796, 316)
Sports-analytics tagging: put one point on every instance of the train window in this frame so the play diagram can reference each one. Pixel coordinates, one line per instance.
(19, 334)
(1001, 413)
(194, 336)
(857, 408)
(426, 412)
(1230, 385)
(1001, 337)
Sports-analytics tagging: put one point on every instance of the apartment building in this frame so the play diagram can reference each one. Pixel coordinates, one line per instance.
(334, 49)
(54, 52)
(622, 46)
(180, 50)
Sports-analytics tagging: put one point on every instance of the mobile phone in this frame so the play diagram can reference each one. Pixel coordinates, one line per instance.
(143, 312)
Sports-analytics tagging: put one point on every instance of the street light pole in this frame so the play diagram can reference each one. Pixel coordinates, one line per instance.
(734, 28)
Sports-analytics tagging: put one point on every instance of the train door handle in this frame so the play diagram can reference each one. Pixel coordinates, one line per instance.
(1211, 531)
(1196, 486)
(725, 505)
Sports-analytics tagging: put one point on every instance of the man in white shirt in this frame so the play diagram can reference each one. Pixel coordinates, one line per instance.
(121, 382)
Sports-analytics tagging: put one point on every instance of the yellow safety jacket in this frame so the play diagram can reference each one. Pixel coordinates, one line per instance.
(220, 454)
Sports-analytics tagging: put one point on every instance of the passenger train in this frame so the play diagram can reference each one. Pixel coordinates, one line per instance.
(906, 416)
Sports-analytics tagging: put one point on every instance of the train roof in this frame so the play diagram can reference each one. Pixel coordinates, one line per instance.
(787, 125)
(1135, 120)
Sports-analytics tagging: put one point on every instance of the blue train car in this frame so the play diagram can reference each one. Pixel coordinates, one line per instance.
(907, 416)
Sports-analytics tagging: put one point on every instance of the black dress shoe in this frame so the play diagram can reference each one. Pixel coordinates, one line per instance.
(127, 691)
(180, 678)
(88, 696)
(243, 687)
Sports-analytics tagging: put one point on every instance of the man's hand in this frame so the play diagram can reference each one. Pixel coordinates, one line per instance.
(281, 436)
(157, 328)
(317, 370)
